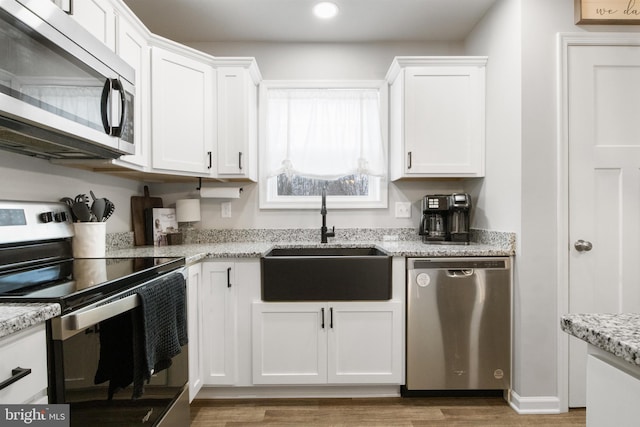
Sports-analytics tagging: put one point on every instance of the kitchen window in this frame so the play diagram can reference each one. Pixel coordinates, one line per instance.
(317, 135)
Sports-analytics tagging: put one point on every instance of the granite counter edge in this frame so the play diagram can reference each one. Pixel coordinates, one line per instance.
(15, 317)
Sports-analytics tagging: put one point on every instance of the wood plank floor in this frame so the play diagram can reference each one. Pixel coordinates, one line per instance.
(409, 412)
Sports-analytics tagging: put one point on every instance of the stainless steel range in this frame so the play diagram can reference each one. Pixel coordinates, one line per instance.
(118, 353)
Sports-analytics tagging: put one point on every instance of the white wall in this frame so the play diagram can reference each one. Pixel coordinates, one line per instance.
(28, 178)
(300, 61)
(534, 150)
(285, 61)
(498, 195)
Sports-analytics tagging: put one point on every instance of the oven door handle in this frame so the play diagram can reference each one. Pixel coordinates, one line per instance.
(84, 318)
(77, 321)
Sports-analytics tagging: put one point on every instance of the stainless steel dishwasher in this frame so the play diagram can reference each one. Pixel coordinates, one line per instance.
(458, 324)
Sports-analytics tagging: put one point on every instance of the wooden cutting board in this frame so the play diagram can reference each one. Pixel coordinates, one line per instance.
(138, 206)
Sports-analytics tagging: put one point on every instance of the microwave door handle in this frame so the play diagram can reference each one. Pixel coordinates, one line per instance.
(117, 130)
(105, 106)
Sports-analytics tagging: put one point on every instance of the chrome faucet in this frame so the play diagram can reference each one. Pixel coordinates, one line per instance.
(323, 211)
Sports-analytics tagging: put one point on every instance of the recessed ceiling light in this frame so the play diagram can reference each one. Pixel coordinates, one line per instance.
(325, 10)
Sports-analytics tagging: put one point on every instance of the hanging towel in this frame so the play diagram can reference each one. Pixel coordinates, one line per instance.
(116, 353)
(139, 342)
(162, 329)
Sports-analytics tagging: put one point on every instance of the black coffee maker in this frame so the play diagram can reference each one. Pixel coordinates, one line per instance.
(445, 218)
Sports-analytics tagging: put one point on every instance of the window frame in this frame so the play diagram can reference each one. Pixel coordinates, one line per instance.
(378, 194)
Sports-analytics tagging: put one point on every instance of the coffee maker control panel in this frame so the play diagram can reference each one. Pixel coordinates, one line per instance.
(436, 202)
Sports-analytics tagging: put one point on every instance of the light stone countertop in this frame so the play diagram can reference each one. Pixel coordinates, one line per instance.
(618, 334)
(19, 316)
(197, 252)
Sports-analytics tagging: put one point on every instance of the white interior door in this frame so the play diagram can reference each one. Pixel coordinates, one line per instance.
(604, 189)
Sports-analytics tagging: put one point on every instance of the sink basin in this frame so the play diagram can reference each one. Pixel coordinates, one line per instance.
(326, 274)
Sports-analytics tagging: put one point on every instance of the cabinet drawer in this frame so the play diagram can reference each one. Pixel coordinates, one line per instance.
(26, 349)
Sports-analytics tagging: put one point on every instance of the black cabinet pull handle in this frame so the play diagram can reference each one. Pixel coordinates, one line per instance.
(228, 277)
(331, 317)
(210, 160)
(240, 160)
(16, 374)
(322, 324)
(409, 167)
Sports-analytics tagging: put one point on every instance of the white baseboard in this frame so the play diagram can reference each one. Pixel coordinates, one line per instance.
(296, 392)
(535, 405)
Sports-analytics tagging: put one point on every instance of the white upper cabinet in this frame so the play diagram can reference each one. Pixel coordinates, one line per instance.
(132, 46)
(237, 124)
(437, 117)
(98, 17)
(182, 113)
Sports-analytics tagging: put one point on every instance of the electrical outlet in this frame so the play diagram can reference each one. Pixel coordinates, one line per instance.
(403, 209)
(225, 209)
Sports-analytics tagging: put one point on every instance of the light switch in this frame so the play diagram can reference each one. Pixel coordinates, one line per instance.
(225, 210)
(403, 209)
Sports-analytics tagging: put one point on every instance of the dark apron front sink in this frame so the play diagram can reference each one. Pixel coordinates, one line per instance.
(326, 274)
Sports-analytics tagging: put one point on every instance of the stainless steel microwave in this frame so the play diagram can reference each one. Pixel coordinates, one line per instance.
(63, 93)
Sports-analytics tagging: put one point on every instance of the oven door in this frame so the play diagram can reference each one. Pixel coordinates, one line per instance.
(77, 354)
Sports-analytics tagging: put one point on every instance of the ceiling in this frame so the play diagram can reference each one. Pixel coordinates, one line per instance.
(292, 21)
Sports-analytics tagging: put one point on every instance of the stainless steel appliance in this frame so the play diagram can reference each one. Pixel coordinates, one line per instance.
(445, 218)
(63, 94)
(96, 349)
(458, 324)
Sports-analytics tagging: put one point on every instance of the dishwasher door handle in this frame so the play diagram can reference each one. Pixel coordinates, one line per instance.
(467, 272)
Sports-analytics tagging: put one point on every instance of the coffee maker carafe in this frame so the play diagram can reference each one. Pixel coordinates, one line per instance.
(445, 218)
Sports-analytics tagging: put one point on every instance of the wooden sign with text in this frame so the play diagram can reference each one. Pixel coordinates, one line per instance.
(626, 12)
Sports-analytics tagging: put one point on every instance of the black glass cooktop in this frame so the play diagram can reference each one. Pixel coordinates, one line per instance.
(74, 283)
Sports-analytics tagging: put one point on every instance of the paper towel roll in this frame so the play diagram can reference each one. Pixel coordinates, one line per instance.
(220, 192)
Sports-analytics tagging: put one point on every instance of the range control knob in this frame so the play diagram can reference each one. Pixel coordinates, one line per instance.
(46, 216)
(60, 216)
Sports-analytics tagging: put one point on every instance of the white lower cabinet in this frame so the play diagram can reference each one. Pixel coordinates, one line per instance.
(26, 349)
(228, 287)
(327, 343)
(218, 305)
(194, 323)
(613, 389)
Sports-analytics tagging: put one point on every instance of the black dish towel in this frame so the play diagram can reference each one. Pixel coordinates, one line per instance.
(162, 328)
(135, 344)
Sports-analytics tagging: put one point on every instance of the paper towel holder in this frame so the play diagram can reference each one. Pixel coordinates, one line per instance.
(199, 187)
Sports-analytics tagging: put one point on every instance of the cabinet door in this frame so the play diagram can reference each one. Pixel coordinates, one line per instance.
(132, 47)
(237, 122)
(181, 113)
(444, 121)
(26, 349)
(289, 343)
(98, 17)
(194, 318)
(365, 343)
(218, 304)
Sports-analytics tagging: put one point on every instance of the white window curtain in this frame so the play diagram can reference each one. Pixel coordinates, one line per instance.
(324, 133)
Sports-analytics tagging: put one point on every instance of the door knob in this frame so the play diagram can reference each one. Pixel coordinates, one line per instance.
(583, 246)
